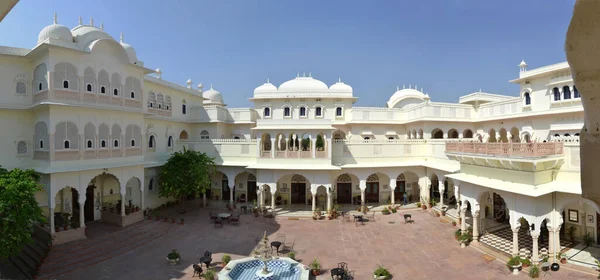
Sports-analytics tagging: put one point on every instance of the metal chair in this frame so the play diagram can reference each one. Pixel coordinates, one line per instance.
(218, 221)
(280, 237)
(212, 216)
(197, 270)
(235, 218)
(288, 247)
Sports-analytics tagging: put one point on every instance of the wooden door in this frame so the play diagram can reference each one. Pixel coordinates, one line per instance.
(399, 191)
(226, 190)
(372, 192)
(251, 195)
(344, 192)
(89, 204)
(298, 194)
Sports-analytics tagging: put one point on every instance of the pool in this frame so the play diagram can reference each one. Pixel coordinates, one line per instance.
(281, 268)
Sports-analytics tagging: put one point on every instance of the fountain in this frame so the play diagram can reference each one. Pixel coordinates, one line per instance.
(264, 266)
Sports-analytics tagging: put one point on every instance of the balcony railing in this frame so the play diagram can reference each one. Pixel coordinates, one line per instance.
(506, 149)
(294, 154)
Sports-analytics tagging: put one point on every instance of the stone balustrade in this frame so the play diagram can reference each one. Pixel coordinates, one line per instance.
(507, 149)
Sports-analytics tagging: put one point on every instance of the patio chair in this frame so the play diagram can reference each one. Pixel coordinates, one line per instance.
(269, 214)
(371, 216)
(212, 216)
(281, 238)
(278, 200)
(288, 247)
(235, 218)
(242, 198)
(346, 217)
(218, 221)
(197, 270)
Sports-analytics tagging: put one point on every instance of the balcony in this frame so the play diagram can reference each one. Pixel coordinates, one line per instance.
(527, 150)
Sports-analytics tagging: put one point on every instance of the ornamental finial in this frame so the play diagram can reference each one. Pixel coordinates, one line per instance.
(121, 38)
(80, 21)
(102, 26)
(92, 21)
(55, 18)
(339, 79)
(397, 88)
(268, 80)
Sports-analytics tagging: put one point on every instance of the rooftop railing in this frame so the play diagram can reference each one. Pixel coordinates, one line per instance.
(506, 149)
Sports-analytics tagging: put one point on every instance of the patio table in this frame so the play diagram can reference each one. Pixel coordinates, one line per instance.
(276, 244)
(224, 216)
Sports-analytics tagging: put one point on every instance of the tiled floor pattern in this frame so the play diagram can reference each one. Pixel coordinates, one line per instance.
(502, 240)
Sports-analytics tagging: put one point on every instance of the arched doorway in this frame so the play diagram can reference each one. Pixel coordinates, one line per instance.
(434, 190)
(344, 189)
(91, 203)
(298, 189)
(372, 190)
(400, 189)
(225, 190)
(251, 187)
(66, 209)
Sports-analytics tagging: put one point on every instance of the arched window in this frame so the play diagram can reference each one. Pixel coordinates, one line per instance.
(116, 144)
(170, 142)
(527, 98)
(116, 92)
(556, 94)
(338, 111)
(66, 84)
(303, 111)
(103, 90)
(132, 142)
(90, 144)
(391, 138)
(204, 135)
(237, 138)
(132, 95)
(102, 143)
(566, 92)
(151, 142)
(151, 184)
(22, 148)
(40, 87)
(576, 92)
(88, 88)
(183, 109)
(41, 144)
(286, 112)
(318, 111)
(367, 138)
(66, 144)
(267, 112)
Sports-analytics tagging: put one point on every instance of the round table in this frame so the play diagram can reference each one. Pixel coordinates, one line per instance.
(337, 272)
(276, 244)
(224, 216)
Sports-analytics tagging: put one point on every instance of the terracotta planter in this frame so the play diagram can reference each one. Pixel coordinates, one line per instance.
(563, 261)
(57, 229)
(315, 272)
(424, 207)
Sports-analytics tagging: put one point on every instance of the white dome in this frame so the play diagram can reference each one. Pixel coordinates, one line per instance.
(86, 34)
(130, 52)
(266, 87)
(55, 32)
(303, 84)
(408, 95)
(213, 96)
(340, 86)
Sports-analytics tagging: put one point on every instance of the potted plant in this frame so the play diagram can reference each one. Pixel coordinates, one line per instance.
(173, 257)
(418, 204)
(525, 263)
(225, 259)
(66, 223)
(315, 267)
(381, 273)
(437, 214)
(56, 228)
(210, 274)
(453, 223)
(394, 209)
(464, 239)
(534, 271)
(316, 215)
(457, 234)
(571, 233)
(292, 255)
(514, 264)
(182, 221)
(563, 258)
(385, 211)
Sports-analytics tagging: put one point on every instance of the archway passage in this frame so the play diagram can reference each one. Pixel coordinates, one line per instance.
(298, 189)
(372, 190)
(344, 189)
(251, 183)
(400, 189)
(225, 190)
(88, 207)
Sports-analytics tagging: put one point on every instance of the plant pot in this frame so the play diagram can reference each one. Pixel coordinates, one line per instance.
(463, 245)
(315, 272)
(57, 229)
(424, 207)
(379, 277)
(443, 213)
(515, 269)
(173, 261)
(563, 261)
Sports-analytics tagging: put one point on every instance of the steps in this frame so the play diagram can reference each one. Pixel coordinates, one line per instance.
(25, 265)
(68, 257)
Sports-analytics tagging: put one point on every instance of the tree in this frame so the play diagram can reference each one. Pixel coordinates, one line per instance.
(19, 211)
(320, 143)
(186, 173)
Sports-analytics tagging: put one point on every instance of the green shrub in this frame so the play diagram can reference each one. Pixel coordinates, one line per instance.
(381, 271)
(292, 255)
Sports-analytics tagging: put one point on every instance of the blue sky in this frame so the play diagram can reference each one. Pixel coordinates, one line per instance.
(448, 47)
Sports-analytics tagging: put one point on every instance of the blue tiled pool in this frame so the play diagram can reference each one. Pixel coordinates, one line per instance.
(282, 270)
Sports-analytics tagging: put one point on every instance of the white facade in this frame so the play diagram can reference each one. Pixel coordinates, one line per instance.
(83, 110)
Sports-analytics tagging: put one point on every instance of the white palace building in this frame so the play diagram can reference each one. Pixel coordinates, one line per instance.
(84, 111)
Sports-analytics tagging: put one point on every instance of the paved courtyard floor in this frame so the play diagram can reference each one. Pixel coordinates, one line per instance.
(425, 249)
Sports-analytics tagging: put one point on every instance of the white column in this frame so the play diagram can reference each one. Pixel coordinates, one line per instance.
(535, 258)
(463, 221)
(51, 220)
(457, 198)
(313, 146)
(515, 247)
(393, 188)
(329, 142)
(272, 200)
(231, 189)
(442, 188)
(314, 202)
(476, 226)
(258, 148)
(287, 148)
(363, 187)
(550, 242)
(272, 147)
(81, 214)
(142, 199)
(328, 199)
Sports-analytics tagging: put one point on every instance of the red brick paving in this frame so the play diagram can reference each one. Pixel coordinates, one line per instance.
(425, 249)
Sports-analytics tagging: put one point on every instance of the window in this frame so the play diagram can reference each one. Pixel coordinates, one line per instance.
(21, 148)
(267, 112)
(367, 138)
(576, 92)
(66, 144)
(103, 90)
(183, 109)
(303, 111)
(132, 142)
(132, 95)
(21, 89)
(151, 184)
(102, 143)
(40, 87)
(204, 135)
(90, 144)
(150, 104)
(168, 107)
(237, 138)
(41, 144)
(66, 84)
(116, 92)
(391, 138)
(566, 92)
(338, 111)
(170, 142)
(318, 111)
(286, 112)
(116, 144)
(88, 88)
(556, 94)
(527, 98)
(151, 142)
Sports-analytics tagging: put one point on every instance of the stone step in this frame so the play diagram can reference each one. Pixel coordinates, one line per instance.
(27, 270)
(108, 253)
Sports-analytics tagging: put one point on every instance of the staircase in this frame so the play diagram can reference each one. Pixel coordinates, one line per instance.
(26, 264)
(67, 257)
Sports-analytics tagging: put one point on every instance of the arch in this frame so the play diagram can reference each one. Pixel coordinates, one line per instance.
(40, 77)
(66, 136)
(319, 111)
(204, 135)
(515, 135)
(503, 136)
(89, 79)
(287, 112)
(170, 142)
(373, 188)
(168, 106)
(437, 133)
(467, 133)
(420, 134)
(133, 133)
(452, 134)
(339, 135)
(566, 92)
(527, 98)
(281, 145)
(41, 136)
(492, 136)
(266, 142)
(65, 201)
(183, 135)
(133, 194)
(65, 72)
(151, 99)
(339, 112)
(115, 82)
(526, 136)
(151, 142)
(103, 81)
(321, 142)
(103, 134)
(576, 92)
(556, 94)
(89, 132)
(133, 86)
(434, 188)
(116, 135)
(303, 112)
(22, 148)
(305, 143)
(344, 188)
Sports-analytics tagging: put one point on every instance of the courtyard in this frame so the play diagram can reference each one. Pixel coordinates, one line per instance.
(425, 249)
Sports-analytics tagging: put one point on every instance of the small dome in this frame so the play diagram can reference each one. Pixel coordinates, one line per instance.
(522, 64)
(55, 31)
(266, 87)
(129, 50)
(408, 95)
(340, 86)
(303, 84)
(86, 34)
(214, 97)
